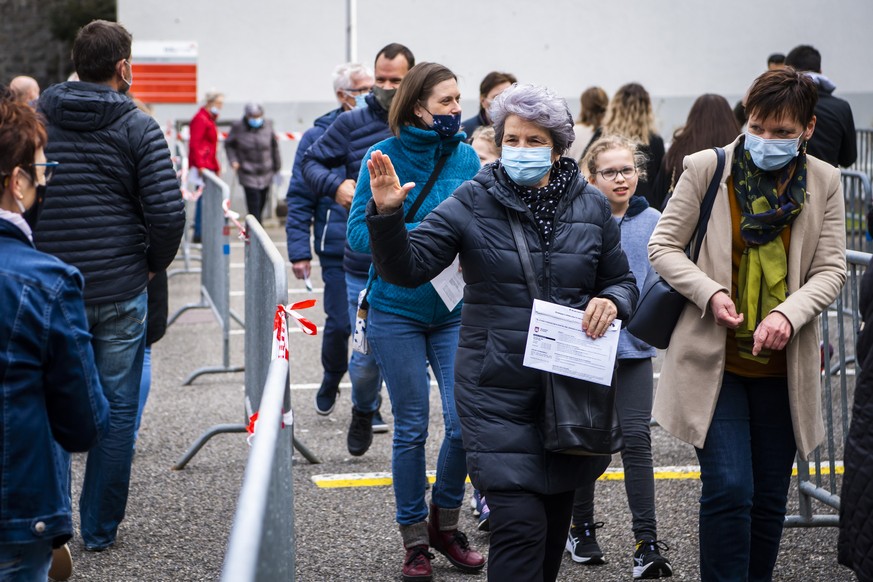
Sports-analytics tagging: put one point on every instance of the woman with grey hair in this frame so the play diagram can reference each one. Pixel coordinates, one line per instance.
(575, 250)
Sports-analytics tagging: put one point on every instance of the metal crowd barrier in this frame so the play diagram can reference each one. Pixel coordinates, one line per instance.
(185, 246)
(859, 200)
(839, 330)
(261, 546)
(266, 283)
(266, 286)
(864, 162)
(215, 271)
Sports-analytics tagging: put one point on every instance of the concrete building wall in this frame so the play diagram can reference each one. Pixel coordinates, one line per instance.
(282, 52)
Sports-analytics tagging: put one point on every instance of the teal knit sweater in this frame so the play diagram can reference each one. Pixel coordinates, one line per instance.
(414, 154)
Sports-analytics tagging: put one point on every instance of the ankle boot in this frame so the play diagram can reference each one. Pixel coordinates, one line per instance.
(442, 529)
(360, 435)
(416, 563)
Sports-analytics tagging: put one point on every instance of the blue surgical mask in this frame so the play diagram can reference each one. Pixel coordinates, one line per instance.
(360, 101)
(214, 111)
(446, 125)
(771, 154)
(526, 166)
(255, 122)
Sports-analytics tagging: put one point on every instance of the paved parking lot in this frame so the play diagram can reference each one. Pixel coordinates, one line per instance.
(178, 521)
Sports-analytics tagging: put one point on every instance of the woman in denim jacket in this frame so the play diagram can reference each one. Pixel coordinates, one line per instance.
(50, 390)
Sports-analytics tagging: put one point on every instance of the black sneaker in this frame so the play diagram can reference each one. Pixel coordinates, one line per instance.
(582, 544)
(360, 433)
(648, 561)
(379, 425)
(325, 399)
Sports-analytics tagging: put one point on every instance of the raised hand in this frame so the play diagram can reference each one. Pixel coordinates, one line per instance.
(388, 194)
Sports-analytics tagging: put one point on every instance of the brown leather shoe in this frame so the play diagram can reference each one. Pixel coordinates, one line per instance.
(416, 565)
(62, 564)
(453, 545)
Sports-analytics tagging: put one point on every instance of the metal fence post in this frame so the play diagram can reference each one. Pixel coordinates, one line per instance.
(859, 199)
(262, 544)
(864, 161)
(215, 272)
(266, 283)
(818, 486)
(181, 163)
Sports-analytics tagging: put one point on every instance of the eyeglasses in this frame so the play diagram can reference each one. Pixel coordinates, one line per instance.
(611, 174)
(351, 92)
(48, 170)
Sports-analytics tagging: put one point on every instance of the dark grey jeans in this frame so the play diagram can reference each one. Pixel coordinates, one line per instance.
(633, 404)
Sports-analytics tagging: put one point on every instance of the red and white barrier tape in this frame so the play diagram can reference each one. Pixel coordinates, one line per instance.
(234, 217)
(280, 350)
(304, 324)
(222, 135)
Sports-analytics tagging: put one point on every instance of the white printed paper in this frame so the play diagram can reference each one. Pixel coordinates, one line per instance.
(557, 344)
(449, 284)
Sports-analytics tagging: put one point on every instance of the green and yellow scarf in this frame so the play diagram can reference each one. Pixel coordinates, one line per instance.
(769, 202)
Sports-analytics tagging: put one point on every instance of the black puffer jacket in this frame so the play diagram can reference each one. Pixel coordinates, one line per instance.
(498, 399)
(856, 499)
(113, 208)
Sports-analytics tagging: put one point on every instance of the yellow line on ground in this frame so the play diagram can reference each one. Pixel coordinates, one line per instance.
(686, 473)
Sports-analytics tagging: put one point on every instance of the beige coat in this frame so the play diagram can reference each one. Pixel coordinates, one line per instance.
(691, 375)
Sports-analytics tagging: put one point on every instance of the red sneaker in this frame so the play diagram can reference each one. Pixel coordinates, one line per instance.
(416, 565)
(454, 546)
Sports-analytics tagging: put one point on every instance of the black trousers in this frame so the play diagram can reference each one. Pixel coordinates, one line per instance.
(528, 534)
(256, 199)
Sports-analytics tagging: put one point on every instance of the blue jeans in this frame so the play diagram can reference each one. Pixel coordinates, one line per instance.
(198, 218)
(118, 331)
(145, 386)
(335, 336)
(363, 370)
(25, 562)
(403, 347)
(745, 471)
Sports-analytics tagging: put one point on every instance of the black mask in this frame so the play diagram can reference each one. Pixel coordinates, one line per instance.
(31, 215)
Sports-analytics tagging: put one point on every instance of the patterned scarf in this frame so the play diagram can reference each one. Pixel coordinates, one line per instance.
(543, 202)
(769, 203)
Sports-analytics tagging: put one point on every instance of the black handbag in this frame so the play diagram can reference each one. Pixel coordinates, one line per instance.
(660, 306)
(578, 417)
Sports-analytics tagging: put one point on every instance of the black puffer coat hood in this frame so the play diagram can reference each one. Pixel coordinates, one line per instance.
(113, 209)
(499, 400)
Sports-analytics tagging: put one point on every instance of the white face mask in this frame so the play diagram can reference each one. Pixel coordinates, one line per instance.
(130, 82)
(771, 154)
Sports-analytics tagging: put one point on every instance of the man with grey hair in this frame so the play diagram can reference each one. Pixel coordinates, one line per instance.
(330, 167)
(351, 84)
(25, 89)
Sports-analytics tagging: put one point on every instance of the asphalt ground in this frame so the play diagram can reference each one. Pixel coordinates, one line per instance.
(178, 522)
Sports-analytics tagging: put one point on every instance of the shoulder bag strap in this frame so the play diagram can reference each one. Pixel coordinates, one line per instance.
(523, 253)
(708, 202)
(410, 216)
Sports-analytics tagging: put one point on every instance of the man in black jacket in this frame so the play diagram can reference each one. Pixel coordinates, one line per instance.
(115, 212)
(834, 137)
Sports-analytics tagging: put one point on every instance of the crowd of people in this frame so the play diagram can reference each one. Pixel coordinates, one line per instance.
(401, 198)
